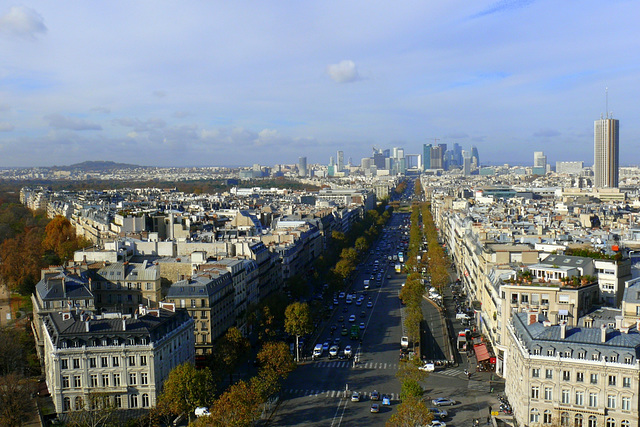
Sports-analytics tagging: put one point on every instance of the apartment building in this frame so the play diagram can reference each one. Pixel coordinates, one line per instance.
(125, 357)
(123, 286)
(573, 376)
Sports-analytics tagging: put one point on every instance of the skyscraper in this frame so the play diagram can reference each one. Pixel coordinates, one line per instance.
(426, 156)
(606, 152)
(302, 166)
(475, 157)
(340, 161)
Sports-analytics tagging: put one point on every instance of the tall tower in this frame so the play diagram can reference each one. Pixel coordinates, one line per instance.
(426, 156)
(340, 161)
(606, 157)
(302, 166)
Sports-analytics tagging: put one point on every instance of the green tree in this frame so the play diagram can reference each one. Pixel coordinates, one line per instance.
(298, 321)
(231, 350)
(410, 388)
(361, 244)
(186, 388)
(411, 412)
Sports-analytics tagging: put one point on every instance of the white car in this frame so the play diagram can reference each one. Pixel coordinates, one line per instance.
(437, 423)
(333, 351)
(202, 411)
(347, 351)
(352, 318)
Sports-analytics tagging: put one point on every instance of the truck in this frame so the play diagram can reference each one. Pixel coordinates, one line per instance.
(355, 332)
(366, 283)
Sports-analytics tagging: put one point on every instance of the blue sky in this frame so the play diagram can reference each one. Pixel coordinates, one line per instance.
(236, 83)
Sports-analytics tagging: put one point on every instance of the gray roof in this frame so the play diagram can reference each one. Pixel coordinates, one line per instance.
(200, 286)
(63, 286)
(129, 271)
(539, 336)
(632, 292)
(566, 261)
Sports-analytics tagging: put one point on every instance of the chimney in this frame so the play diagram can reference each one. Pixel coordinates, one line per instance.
(533, 318)
(638, 325)
(87, 326)
(563, 330)
(64, 287)
(603, 333)
(124, 324)
(619, 320)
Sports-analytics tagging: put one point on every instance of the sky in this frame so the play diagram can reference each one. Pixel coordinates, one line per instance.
(225, 83)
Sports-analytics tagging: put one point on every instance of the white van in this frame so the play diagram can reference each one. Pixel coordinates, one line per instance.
(201, 411)
(317, 350)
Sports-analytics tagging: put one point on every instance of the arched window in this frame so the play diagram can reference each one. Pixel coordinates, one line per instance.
(593, 421)
(577, 421)
(534, 417)
(610, 422)
(66, 404)
(77, 403)
(145, 401)
(133, 401)
(625, 423)
(564, 419)
(546, 417)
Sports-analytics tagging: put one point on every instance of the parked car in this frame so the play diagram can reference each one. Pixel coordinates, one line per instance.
(439, 413)
(437, 423)
(443, 401)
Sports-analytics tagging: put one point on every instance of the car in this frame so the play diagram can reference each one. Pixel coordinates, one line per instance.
(386, 400)
(404, 341)
(359, 302)
(439, 413)
(341, 319)
(369, 304)
(362, 326)
(333, 351)
(344, 332)
(347, 351)
(443, 401)
(437, 423)
(341, 295)
(334, 327)
(363, 314)
(375, 395)
(352, 318)
(355, 397)
(375, 408)
(335, 302)
(202, 411)
(336, 341)
(325, 346)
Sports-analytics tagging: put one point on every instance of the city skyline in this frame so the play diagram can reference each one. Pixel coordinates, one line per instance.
(178, 85)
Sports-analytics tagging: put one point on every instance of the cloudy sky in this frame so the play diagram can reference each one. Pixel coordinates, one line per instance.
(242, 82)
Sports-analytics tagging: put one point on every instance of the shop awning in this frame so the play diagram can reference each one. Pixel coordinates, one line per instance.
(481, 352)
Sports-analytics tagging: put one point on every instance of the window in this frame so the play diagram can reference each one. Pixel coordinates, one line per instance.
(535, 392)
(144, 378)
(548, 393)
(593, 400)
(580, 398)
(116, 380)
(143, 360)
(564, 419)
(625, 423)
(567, 353)
(133, 401)
(116, 361)
(577, 422)
(613, 359)
(628, 360)
(524, 298)
(595, 356)
(535, 373)
(582, 355)
(610, 422)
(132, 361)
(78, 403)
(580, 377)
(65, 381)
(145, 400)
(545, 299)
(550, 352)
(94, 380)
(611, 401)
(548, 374)
(534, 417)
(77, 381)
(566, 376)
(105, 342)
(626, 382)
(64, 363)
(203, 314)
(193, 303)
(118, 401)
(105, 380)
(546, 418)
(626, 403)
(612, 380)
(76, 363)
(594, 378)
(104, 362)
(66, 404)
(132, 379)
(92, 362)
(565, 396)
(593, 422)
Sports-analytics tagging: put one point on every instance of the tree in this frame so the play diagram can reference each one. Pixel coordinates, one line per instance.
(410, 388)
(231, 350)
(60, 237)
(239, 406)
(15, 391)
(411, 412)
(298, 321)
(186, 388)
(276, 364)
(99, 411)
(361, 244)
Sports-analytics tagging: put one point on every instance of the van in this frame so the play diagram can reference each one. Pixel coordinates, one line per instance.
(317, 350)
(460, 316)
(202, 411)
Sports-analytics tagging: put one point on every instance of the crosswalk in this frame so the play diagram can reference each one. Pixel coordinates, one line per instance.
(451, 372)
(340, 394)
(341, 364)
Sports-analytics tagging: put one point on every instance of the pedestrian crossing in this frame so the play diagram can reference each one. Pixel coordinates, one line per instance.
(339, 394)
(452, 372)
(341, 364)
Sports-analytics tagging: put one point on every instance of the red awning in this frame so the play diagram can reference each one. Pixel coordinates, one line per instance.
(481, 352)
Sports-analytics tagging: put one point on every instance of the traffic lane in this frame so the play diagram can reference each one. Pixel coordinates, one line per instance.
(434, 346)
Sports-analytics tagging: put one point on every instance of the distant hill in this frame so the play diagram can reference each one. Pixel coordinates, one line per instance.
(98, 165)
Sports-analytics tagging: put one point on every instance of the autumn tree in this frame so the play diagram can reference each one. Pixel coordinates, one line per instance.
(231, 350)
(411, 412)
(60, 238)
(21, 260)
(239, 406)
(298, 321)
(99, 411)
(15, 391)
(276, 363)
(186, 388)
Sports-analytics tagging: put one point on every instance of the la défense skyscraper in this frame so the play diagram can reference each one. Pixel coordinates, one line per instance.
(606, 152)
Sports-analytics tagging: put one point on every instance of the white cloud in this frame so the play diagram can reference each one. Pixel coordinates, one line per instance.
(343, 72)
(140, 125)
(22, 22)
(58, 121)
(6, 127)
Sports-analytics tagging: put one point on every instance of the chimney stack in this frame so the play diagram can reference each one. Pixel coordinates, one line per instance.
(87, 326)
(619, 320)
(563, 330)
(533, 318)
(124, 324)
(603, 333)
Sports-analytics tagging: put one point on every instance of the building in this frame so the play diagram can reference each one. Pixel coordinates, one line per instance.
(123, 286)
(340, 161)
(126, 358)
(426, 156)
(606, 153)
(302, 166)
(574, 168)
(573, 376)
